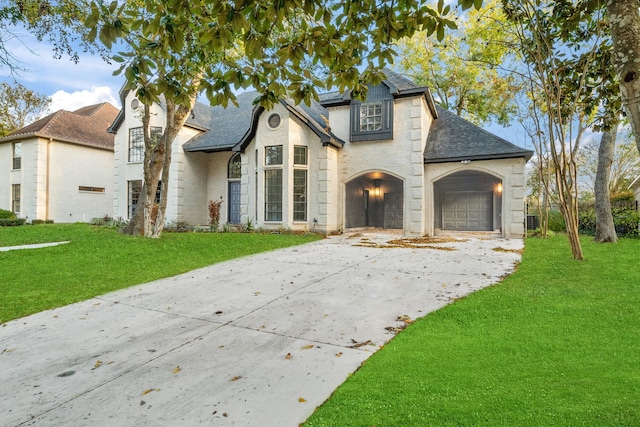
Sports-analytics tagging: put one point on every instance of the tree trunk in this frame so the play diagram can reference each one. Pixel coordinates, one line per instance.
(624, 17)
(605, 228)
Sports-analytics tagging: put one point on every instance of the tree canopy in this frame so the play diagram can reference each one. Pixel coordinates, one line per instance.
(467, 71)
(19, 107)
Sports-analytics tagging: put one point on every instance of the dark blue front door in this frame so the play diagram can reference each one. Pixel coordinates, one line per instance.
(234, 202)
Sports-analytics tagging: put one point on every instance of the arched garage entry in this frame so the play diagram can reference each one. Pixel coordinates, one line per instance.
(468, 201)
(375, 199)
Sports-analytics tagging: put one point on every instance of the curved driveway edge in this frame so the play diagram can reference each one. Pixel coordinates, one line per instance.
(260, 340)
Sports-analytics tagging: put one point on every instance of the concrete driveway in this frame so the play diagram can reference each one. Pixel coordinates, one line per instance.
(257, 341)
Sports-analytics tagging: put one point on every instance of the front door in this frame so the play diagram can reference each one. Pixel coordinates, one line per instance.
(393, 210)
(234, 202)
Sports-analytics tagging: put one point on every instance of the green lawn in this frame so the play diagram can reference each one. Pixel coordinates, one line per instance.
(99, 260)
(557, 343)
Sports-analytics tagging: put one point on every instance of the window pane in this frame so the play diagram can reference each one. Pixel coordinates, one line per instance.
(235, 165)
(17, 155)
(15, 198)
(273, 155)
(136, 144)
(371, 116)
(299, 195)
(299, 155)
(134, 195)
(273, 195)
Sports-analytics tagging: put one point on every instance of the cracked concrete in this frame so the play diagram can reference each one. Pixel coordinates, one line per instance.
(260, 340)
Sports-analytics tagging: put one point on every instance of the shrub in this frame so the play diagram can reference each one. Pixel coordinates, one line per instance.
(37, 221)
(4, 214)
(556, 222)
(5, 222)
(625, 218)
(48, 221)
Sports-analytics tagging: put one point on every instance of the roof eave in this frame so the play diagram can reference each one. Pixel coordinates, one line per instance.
(524, 154)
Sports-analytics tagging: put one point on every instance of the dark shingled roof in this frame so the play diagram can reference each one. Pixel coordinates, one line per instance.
(452, 138)
(225, 127)
(398, 85)
(234, 127)
(85, 126)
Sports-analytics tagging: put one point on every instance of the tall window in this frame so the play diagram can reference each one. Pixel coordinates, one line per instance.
(273, 195)
(371, 117)
(273, 183)
(136, 142)
(135, 187)
(15, 198)
(134, 191)
(299, 194)
(235, 167)
(300, 183)
(17, 155)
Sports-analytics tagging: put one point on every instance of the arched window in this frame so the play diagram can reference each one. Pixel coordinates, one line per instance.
(233, 171)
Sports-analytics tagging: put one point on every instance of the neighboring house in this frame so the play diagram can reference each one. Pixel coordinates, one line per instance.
(396, 161)
(60, 167)
(635, 187)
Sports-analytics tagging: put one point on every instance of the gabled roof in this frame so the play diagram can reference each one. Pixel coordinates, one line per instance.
(399, 87)
(452, 139)
(225, 127)
(84, 126)
(233, 128)
(198, 118)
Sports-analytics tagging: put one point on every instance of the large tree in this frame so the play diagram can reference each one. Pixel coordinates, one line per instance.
(175, 50)
(467, 71)
(20, 106)
(624, 18)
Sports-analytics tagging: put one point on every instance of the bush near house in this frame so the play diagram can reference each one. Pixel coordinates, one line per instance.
(5, 214)
(625, 216)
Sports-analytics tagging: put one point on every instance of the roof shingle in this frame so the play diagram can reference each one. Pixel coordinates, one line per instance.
(87, 126)
(452, 138)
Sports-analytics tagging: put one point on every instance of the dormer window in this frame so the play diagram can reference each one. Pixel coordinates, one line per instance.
(371, 117)
(373, 120)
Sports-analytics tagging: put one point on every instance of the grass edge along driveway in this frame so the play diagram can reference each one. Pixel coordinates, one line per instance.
(99, 260)
(556, 343)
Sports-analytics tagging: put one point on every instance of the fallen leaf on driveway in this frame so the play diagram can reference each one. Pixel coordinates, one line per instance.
(236, 378)
(149, 390)
(339, 354)
(98, 364)
(175, 371)
(302, 400)
(357, 344)
(288, 356)
(404, 318)
(307, 347)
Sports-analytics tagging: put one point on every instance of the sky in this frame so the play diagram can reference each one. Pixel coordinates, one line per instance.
(69, 85)
(91, 80)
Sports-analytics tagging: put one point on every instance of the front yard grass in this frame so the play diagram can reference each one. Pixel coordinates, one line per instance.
(556, 343)
(99, 260)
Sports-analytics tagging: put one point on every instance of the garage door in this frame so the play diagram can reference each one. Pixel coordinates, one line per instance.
(467, 211)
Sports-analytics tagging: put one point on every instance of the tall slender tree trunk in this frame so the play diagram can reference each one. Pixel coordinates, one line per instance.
(624, 17)
(605, 228)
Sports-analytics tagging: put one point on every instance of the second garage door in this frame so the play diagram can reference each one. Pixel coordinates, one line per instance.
(467, 211)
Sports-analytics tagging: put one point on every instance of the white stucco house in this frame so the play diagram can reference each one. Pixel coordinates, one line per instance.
(395, 161)
(60, 167)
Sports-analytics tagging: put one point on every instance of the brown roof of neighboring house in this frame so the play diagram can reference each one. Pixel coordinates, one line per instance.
(86, 126)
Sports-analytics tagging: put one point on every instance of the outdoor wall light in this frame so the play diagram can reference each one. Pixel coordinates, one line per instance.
(499, 187)
(376, 187)
(465, 162)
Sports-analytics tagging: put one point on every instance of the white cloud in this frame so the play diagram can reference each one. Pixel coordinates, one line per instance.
(62, 100)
